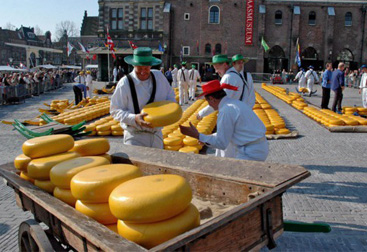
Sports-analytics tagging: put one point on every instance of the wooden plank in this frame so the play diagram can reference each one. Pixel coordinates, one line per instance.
(293, 134)
(249, 172)
(357, 129)
(76, 227)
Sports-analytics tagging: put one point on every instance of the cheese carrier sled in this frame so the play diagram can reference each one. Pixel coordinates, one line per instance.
(242, 205)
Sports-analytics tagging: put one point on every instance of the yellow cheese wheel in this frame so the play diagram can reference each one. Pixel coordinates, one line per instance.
(150, 198)
(39, 168)
(104, 127)
(116, 127)
(150, 235)
(91, 147)
(25, 176)
(112, 227)
(47, 145)
(107, 156)
(189, 149)
(162, 113)
(117, 133)
(62, 173)
(190, 141)
(45, 185)
(103, 133)
(282, 131)
(65, 196)
(198, 146)
(99, 212)
(95, 185)
(172, 141)
(173, 147)
(21, 162)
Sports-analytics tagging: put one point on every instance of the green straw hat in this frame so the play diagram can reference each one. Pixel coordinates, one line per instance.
(142, 57)
(193, 66)
(220, 58)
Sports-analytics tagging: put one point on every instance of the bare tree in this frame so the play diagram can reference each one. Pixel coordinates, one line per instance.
(38, 31)
(10, 26)
(67, 26)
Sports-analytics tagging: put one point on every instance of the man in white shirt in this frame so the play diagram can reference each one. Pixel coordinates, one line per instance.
(89, 84)
(80, 78)
(311, 77)
(194, 76)
(300, 76)
(248, 97)
(183, 84)
(237, 125)
(133, 92)
(174, 76)
(363, 86)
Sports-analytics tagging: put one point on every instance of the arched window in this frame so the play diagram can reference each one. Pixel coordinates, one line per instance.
(310, 53)
(312, 18)
(218, 49)
(208, 48)
(348, 19)
(276, 52)
(345, 55)
(278, 17)
(214, 15)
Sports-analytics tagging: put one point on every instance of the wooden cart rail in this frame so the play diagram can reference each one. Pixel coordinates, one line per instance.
(252, 224)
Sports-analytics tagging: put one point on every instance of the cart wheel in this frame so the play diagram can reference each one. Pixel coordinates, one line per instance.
(31, 237)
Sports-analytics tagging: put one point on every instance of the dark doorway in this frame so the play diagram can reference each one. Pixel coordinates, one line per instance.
(275, 60)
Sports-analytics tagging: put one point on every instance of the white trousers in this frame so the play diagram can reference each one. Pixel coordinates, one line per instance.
(90, 91)
(174, 84)
(301, 84)
(145, 139)
(364, 97)
(310, 85)
(182, 89)
(258, 151)
(192, 89)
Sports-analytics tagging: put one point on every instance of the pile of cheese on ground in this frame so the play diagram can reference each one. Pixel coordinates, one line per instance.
(106, 126)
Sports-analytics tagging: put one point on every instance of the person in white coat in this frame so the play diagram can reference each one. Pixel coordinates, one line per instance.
(115, 73)
(311, 77)
(174, 76)
(89, 84)
(238, 62)
(363, 86)
(80, 78)
(135, 90)
(237, 125)
(300, 76)
(194, 76)
(183, 84)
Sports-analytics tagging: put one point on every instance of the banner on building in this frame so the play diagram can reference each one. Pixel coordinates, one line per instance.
(249, 26)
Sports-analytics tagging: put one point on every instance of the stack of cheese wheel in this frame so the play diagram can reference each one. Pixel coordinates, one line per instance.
(104, 127)
(92, 188)
(177, 94)
(153, 209)
(362, 111)
(349, 110)
(189, 116)
(62, 173)
(162, 113)
(21, 163)
(44, 153)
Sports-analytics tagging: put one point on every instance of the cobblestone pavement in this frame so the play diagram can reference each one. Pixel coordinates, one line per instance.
(335, 193)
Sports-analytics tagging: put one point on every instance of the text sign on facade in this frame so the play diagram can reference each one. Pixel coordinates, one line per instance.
(249, 27)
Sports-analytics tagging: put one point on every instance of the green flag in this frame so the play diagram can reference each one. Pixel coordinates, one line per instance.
(264, 44)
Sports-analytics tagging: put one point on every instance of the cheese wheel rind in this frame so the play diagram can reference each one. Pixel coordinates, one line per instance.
(21, 162)
(99, 212)
(91, 147)
(150, 235)
(162, 113)
(45, 185)
(150, 198)
(95, 185)
(47, 145)
(65, 196)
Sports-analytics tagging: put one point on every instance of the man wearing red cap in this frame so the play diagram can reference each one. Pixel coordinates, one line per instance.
(238, 127)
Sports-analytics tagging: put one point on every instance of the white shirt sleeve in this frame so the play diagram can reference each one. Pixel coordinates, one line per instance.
(206, 111)
(225, 128)
(251, 90)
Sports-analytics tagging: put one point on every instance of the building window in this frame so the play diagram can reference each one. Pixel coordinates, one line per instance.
(278, 17)
(218, 49)
(348, 19)
(187, 16)
(146, 18)
(186, 50)
(116, 19)
(312, 18)
(208, 48)
(214, 15)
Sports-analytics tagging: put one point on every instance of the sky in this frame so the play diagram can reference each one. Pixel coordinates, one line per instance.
(45, 13)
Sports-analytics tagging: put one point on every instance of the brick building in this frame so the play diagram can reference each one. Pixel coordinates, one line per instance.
(194, 30)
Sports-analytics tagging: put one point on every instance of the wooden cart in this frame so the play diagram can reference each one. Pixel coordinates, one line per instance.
(248, 195)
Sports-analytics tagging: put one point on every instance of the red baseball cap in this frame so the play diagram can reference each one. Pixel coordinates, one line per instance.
(214, 86)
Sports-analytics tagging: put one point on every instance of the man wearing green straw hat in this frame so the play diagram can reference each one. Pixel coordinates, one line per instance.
(194, 76)
(248, 96)
(183, 84)
(133, 92)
